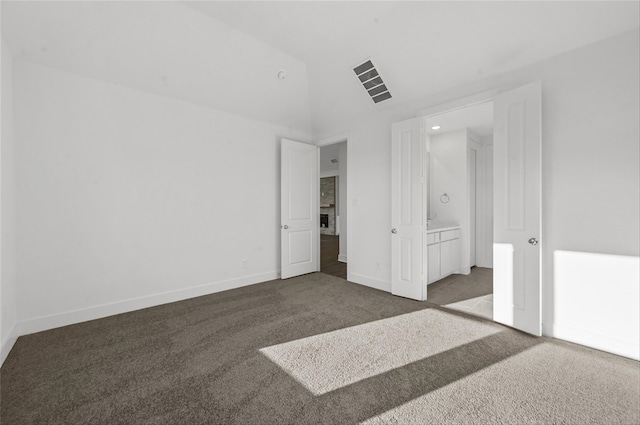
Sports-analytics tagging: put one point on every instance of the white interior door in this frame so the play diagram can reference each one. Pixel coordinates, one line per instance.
(408, 211)
(299, 210)
(516, 251)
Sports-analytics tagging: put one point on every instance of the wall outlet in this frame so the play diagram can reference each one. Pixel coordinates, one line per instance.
(244, 263)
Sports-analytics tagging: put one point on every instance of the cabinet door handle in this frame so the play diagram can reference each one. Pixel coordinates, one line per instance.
(394, 231)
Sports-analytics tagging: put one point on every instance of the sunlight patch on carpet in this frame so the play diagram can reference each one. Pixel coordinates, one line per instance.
(326, 362)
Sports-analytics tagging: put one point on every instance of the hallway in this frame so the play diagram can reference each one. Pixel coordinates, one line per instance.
(329, 250)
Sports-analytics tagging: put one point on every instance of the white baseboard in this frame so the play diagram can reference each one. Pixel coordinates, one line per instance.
(7, 344)
(342, 258)
(91, 313)
(617, 346)
(369, 281)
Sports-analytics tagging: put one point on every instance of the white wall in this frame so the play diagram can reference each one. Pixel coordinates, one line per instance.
(590, 173)
(484, 211)
(128, 199)
(8, 285)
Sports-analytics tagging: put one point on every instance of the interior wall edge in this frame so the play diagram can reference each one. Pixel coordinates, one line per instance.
(370, 282)
(44, 323)
(625, 348)
(8, 343)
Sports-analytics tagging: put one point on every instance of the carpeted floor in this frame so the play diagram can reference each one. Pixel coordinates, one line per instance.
(312, 349)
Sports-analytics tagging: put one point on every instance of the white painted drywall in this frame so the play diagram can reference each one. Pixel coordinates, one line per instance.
(449, 175)
(128, 199)
(590, 170)
(619, 330)
(8, 285)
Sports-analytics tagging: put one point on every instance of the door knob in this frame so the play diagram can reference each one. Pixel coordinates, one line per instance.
(533, 241)
(285, 227)
(394, 231)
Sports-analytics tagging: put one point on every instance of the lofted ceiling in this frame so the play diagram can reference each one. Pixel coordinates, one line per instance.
(226, 54)
(420, 47)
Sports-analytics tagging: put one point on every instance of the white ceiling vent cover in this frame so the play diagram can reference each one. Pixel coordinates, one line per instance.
(372, 81)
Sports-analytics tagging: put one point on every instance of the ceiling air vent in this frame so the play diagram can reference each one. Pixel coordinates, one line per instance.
(372, 82)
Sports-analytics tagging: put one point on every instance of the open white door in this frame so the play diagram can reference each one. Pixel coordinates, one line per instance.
(299, 209)
(516, 251)
(408, 211)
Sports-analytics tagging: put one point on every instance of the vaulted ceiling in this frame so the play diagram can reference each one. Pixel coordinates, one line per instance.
(226, 55)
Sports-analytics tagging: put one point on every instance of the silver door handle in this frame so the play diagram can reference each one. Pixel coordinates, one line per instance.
(285, 227)
(533, 241)
(394, 231)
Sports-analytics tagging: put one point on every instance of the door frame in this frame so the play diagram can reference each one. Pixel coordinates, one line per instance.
(332, 140)
(473, 100)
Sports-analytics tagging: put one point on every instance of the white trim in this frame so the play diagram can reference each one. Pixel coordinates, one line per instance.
(369, 281)
(44, 323)
(342, 258)
(8, 344)
(617, 346)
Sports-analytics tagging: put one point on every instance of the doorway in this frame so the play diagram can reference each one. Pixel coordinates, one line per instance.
(333, 209)
(424, 251)
(460, 155)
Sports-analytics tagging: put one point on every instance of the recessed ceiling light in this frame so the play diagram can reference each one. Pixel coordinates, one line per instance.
(435, 127)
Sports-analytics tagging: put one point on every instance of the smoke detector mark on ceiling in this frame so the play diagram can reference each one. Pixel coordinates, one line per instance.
(372, 81)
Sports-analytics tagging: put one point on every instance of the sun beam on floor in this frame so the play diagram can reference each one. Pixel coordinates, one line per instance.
(326, 362)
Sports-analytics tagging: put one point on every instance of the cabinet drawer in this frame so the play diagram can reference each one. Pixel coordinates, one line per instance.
(433, 238)
(449, 235)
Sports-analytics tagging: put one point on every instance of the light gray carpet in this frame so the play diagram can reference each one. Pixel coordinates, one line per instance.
(313, 349)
